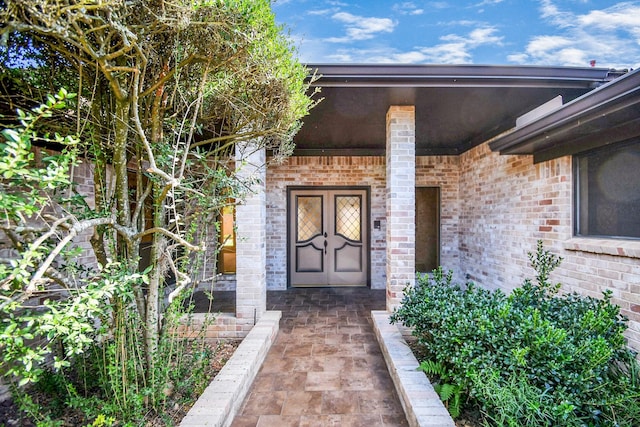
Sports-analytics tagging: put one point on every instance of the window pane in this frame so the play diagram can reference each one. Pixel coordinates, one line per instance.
(227, 254)
(608, 192)
(309, 217)
(348, 217)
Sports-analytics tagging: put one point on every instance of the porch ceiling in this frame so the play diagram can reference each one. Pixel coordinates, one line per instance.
(457, 107)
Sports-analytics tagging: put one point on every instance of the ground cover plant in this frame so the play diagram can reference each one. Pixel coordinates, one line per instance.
(535, 357)
(161, 101)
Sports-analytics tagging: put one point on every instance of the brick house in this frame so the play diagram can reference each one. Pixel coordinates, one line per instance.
(402, 168)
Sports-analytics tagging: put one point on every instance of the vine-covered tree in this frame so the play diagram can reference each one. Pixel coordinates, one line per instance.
(166, 90)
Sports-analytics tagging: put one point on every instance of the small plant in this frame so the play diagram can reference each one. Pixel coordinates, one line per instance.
(102, 421)
(451, 394)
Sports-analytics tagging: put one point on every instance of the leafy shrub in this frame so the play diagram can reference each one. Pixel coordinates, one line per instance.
(533, 357)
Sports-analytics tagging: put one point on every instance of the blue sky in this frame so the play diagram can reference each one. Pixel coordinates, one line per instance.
(495, 32)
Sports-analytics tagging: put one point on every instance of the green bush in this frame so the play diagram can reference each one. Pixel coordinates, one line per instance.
(534, 357)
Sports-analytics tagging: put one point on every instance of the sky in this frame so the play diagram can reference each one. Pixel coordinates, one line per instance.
(488, 32)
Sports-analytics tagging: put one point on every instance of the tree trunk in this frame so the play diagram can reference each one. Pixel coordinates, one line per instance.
(152, 320)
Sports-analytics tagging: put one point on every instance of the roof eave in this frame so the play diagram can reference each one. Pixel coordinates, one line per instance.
(575, 126)
(380, 75)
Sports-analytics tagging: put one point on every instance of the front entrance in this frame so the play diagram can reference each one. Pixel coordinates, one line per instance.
(328, 237)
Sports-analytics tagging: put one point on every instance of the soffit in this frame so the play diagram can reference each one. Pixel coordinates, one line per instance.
(609, 114)
(457, 107)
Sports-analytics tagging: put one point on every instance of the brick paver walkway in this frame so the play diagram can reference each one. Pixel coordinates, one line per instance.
(325, 367)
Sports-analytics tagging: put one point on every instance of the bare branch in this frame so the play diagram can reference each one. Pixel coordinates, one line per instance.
(170, 235)
(73, 232)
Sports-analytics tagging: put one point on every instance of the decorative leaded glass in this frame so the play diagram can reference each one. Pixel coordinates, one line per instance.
(348, 217)
(309, 217)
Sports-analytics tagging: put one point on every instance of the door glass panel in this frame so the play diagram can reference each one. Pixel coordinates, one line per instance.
(348, 217)
(309, 217)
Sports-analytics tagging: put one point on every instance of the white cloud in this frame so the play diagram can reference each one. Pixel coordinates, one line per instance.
(321, 12)
(438, 5)
(407, 8)
(620, 16)
(409, 57)
(489, 3)
(360, 27)
(345, 57)
(377, 56)
(447, 53)
(461, 22)
(609, 36)
(458, 49)
(454, 49)
(518, 58)
(539, 46)
(337, 3)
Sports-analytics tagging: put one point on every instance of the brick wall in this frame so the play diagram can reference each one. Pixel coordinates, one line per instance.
(82, 175)
(432, 171)
(507, 203)
(219, 326)
(251, 289)
(444, 172)
(323, 171)
(400, 202)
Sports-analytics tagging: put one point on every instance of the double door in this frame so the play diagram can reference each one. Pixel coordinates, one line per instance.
(328, 237)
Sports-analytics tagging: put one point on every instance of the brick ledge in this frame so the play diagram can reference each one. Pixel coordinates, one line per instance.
(221, 400)
(614, 247)
(421, 404)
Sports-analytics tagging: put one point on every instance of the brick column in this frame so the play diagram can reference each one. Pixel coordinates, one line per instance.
(251, 237)
(401, 202)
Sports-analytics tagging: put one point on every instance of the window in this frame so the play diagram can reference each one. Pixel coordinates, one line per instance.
(607, 191)
(227, 254)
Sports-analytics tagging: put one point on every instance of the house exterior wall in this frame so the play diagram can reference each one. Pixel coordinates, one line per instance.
(493, 209)
(82, 175)
(444, 172)
(323, 171)
(431, 171)
(507, 203)
(400, 202)
(251, 288)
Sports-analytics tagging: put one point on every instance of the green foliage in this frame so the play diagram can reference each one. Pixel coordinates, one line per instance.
(533, 357)
(25, 184)
(126, 386)
(102, 421)
(23, 199)
(166, 92)
(450, 394)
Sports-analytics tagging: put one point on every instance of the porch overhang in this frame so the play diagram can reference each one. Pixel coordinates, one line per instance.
(608, 114)
(457, 106)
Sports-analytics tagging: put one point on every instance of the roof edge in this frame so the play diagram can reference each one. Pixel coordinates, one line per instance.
(354, 75)
(547, 130)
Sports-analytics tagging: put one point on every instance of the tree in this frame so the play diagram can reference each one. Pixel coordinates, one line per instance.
(166, 90)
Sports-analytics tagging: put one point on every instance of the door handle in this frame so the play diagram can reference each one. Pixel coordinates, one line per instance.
(325, 234)
(325, 247)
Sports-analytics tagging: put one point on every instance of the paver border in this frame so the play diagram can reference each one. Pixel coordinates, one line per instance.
(421, 404)
(221, 400)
